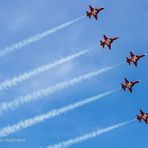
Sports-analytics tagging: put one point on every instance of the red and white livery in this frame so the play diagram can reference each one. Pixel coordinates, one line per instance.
(94, 12)
(129, 85)
(143, 116)
(108, 41)
(134, 58)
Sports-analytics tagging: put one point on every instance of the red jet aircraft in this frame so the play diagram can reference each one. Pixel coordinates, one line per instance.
(129, 85)
(94, 12)
(108, 41)
(143, 116)
(134, 58)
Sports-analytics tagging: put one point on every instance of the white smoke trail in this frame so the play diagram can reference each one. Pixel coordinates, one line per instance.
(56, 112)
(37, 37)
(5, 106)
(88, 136)
(17, 79)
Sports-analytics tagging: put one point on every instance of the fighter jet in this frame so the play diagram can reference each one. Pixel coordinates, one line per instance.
(143, 116)
(129, 85)
(134, 58)
(108, 41)
(93, 12)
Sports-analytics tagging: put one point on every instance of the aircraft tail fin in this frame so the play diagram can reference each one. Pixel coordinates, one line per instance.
(102, 44)
(88, 14)
(123, 86)
(138, 118)
(128, 60)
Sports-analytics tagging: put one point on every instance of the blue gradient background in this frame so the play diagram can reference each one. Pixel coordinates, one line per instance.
(126, 19)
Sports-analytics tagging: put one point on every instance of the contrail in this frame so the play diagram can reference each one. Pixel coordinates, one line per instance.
(37, 37)
(17, 79)
(59, 86)
(88, 136)
(44, 92)
(56, 112)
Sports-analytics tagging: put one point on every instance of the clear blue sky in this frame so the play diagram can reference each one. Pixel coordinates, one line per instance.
(126, 19)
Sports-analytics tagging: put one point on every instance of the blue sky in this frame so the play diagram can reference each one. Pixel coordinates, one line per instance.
(126, 19)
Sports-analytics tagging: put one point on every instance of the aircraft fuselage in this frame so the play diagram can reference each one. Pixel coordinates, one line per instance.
(94, 12)
(135, 58)
(129, 85)
(145, 116)
(107, 41)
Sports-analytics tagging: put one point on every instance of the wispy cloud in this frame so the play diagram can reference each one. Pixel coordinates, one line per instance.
(56, 112)
(88, 136)
(59, 86)
(37, 37)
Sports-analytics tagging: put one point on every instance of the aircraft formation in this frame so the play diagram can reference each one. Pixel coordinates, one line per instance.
(133, 59)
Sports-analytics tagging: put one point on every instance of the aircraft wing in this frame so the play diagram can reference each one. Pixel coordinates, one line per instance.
(135, 63)
(96, 17)
(91, 8)
(126, 80)
(132, 55)
(145, 120)
(105, 37)
(109, 46)
(130, 89)
(142, 113)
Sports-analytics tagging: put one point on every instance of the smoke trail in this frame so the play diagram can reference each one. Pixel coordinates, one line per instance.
(14, 81)
(88, 136)
(44, 92)
(56, 112)
(37, 37)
